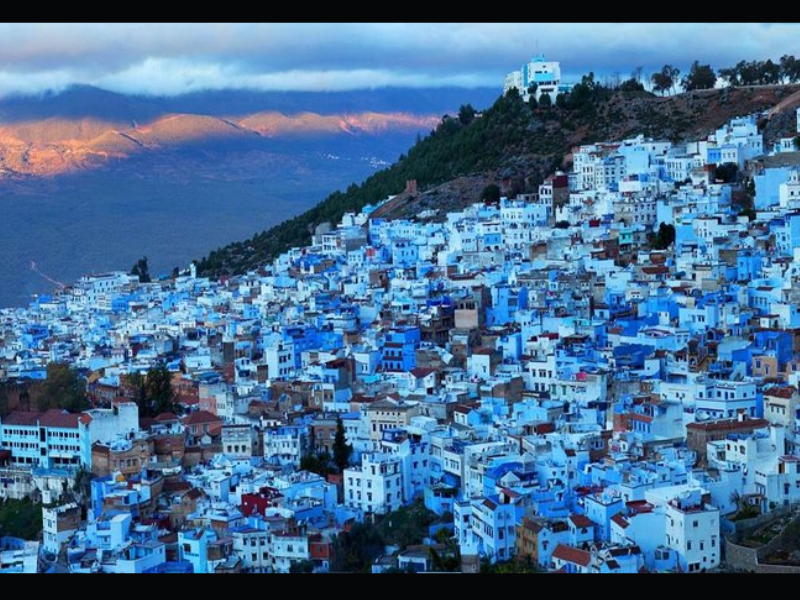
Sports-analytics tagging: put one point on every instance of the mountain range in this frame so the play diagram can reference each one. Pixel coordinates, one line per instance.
(85, 128)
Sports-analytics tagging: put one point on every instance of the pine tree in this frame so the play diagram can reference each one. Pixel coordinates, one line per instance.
(159, 390)
(341, 449)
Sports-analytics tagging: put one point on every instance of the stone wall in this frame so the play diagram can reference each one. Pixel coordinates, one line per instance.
(745, 527)
(744, 558)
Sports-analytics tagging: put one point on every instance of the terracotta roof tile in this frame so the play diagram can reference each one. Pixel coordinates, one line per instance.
(573, 555)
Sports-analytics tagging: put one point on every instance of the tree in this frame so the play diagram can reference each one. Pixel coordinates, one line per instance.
(142, 270)
(770, 73)
(20, 519)
(727, 172)
(316, 463)
(532, 89)
(665, 237)
(545, 101)
(354, 550)
(407, 525)
(160, 394)
(562, 100)
(63, 388)
(636, 74)
(341, 449)
(665, 79)
(584, 92)
(491, 194)
(136, 387)
(790, 68)
(631, 85)
(749, 212)
(303, 566)
(700, 77)
(3, 399)
(729, 75)
(466, 114)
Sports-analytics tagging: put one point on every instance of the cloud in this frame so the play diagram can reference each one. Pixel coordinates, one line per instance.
(174, 58)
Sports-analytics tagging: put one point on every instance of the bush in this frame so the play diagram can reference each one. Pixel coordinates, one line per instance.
(20, 519)
(491, 194)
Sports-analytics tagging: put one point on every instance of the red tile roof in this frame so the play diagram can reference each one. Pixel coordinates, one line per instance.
(166, 417)
(573, 555)
(531, 525)
(420, 372)
(201, 417)
(18, 417)
(581, 521)
(620, 520)
(780, 392)
(59, 418)
(729, 425)
(489, 504)
(52, 418)
(626, 551)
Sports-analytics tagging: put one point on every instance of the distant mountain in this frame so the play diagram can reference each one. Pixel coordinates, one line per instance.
(85, 128)
(512, 145)
(60, 145)
(82, 101)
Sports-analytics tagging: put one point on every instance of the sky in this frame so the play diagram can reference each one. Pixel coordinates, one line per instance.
(169, 59)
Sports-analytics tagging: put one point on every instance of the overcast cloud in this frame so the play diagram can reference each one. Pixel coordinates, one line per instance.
(173, 58)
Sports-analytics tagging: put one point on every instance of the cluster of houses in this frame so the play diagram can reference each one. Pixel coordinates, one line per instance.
(534, 371)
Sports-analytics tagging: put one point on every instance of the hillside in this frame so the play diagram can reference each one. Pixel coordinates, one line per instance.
(511, 144)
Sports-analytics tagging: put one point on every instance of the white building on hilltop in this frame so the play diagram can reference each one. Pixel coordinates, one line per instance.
(545, 75)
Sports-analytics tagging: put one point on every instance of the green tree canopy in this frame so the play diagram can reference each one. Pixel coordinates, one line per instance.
(631, 85)
(466, 114)
(665, 80)
(727, 172)
(160, 395)
(341, 449)
(354, 550)
(665, 237)
(700, 77)
(491, 194)
(63, 388)
(142, 270)
(317, 463)
(20, 519)
(545, 101)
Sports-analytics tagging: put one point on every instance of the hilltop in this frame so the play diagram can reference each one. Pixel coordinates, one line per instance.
(513, 145)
